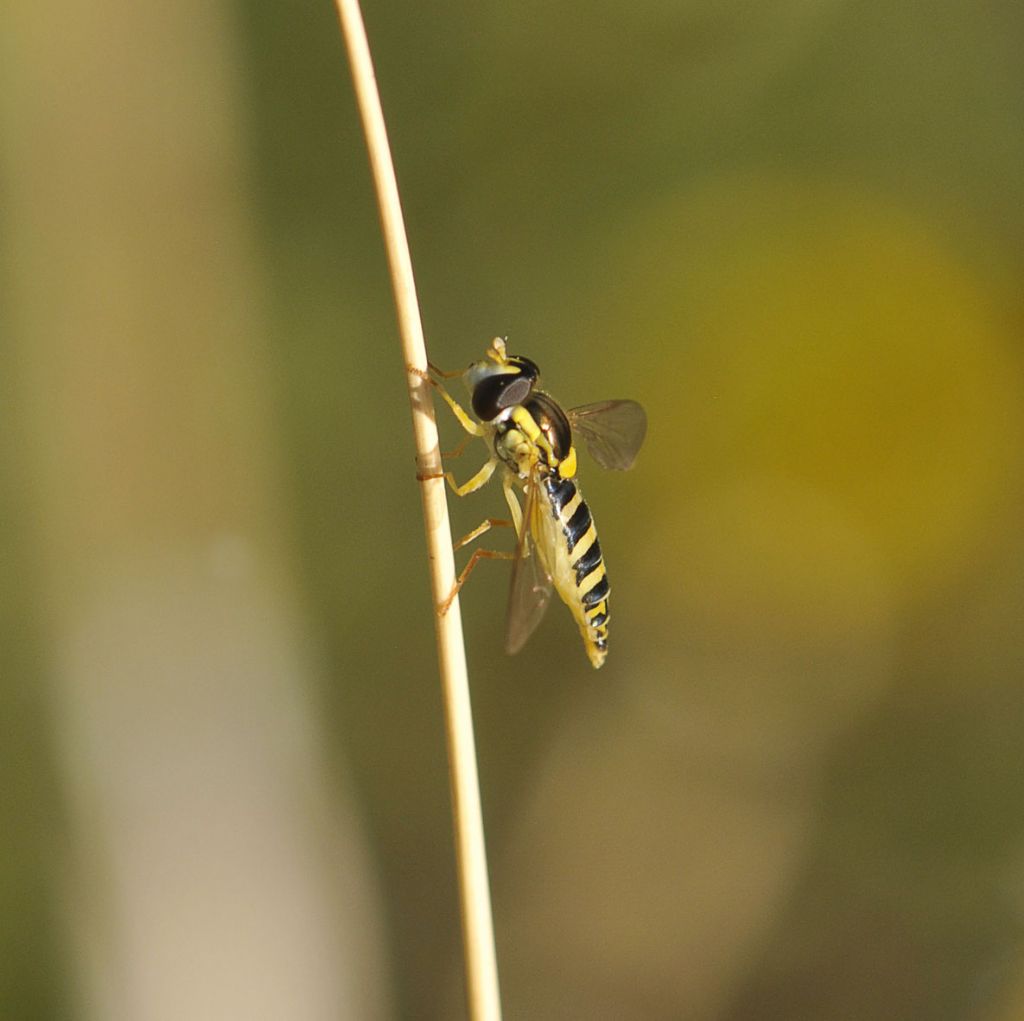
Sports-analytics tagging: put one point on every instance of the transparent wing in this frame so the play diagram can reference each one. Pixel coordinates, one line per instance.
(613, 431)
(530, 589)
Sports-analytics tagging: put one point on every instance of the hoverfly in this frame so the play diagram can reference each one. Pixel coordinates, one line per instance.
(530, 438)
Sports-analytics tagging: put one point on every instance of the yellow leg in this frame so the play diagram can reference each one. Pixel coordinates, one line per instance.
(467, 423)
(478, 555)
(479, 480)
(445, 375)
(485, 526)
(513, 503)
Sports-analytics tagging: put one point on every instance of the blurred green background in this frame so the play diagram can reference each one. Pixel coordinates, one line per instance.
(793, 231)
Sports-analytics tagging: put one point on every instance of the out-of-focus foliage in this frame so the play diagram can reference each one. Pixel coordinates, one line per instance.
(794, 232)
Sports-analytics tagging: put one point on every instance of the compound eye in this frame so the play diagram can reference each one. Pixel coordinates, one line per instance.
(493, 395)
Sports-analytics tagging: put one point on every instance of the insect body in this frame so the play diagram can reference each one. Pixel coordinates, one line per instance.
(530, 439)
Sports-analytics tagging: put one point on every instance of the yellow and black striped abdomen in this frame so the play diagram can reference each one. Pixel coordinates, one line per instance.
(578, 572)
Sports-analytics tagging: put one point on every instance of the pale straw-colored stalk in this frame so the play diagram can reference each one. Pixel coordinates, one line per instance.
(471, 859)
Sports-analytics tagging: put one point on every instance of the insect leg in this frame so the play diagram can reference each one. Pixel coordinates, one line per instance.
(467, 423)
(513, 503)
(458, 450)
(486, 525)
(478, 555)
(445, 375)
(479, 480)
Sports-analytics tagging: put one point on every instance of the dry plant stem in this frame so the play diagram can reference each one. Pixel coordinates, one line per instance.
(478, 932)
